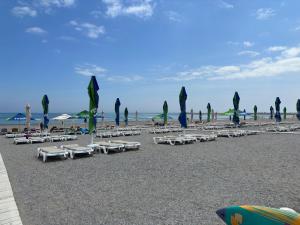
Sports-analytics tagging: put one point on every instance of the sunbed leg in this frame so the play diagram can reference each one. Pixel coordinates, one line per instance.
(44, 157)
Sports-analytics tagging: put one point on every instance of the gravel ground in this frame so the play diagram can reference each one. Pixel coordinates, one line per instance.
(159, 184)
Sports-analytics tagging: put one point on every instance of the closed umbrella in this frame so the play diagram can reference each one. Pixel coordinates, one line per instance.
(236, 101)
(284, 113)
(208, 112)
(182, 100)
(192, 115)
(255, 112)
(117, 111)
(298, 109)
(200, 116)
(271, 112)
(28, 116)
(165, 110)
(126, 116)
(45, 104)
(277, 107)
(136, 116)
(94, 101)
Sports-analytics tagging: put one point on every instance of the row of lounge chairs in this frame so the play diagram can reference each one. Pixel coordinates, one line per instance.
(235, 133)
(109, 134)
(184, 139)
(283, 128)
(53, 138)
(164, 130)
(75, 150)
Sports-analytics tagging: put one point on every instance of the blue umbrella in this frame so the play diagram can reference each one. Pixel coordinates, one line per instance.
(19, 117)
(182, 100)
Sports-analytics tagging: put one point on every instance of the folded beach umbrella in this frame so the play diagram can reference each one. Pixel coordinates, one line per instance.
(200, 116)
(271, 112)
(284, 113)
(182, 100)
(94, 101)
(208, 112)
(45, 104)
(298, 109)
(277, 107)
(258, 215)
(165, 110)
(236, 102)
(117, 111)
(192, 115)
(136, 116)
(255, 112)
(126, 116)
(28, 116)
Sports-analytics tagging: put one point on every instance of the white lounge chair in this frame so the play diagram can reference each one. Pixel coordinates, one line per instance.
(36, 140)
(128, 144)
(21, 140)
(105, 146)
(75, 149)
(51, 151)
(202, 137)
(55, 138)
(67, 137)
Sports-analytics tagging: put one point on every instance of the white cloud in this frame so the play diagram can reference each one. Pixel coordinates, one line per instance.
(174, 16)
(265, 13)
(90, 70)
(276, 48)
(124, 78)
(139, 8)
(248, 44)
(96, 13)
(21, 11)
(286, 63)
(36, 30)
(94, 70)
(225, 5)
(56, 3)
(249, 53)
(88, 29)
(297, 28)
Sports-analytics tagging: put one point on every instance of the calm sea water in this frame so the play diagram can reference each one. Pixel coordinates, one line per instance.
(108, 117)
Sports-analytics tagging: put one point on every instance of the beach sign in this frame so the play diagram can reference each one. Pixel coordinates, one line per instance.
(258, 215)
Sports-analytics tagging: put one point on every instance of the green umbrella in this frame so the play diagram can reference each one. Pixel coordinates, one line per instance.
(160, 117)
(255, 112)
(165, 110)
(83, 115)
(208, 112)
(229, 112)
(284, 113)
(126, 116)
(94, 101)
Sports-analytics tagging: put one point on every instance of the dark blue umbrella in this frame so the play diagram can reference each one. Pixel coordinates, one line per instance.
(117, 111)
(45, 104)
(182, 100)
(277, 107)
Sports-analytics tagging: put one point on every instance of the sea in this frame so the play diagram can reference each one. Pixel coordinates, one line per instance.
(108, 117)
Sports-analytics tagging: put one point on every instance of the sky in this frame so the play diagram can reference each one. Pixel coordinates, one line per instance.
(144, 51)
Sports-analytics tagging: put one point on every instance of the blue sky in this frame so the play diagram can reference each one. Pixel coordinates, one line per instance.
(143, 51)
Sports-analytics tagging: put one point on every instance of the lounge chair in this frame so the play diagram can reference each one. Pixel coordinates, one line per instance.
(55, 138)
(202, 137)
(105, 147)
(75, 149)
(3, 131)
(128, 144)
(51, 151)
(14, 130)
(36, 140)
(21, 140)
(69, 137)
